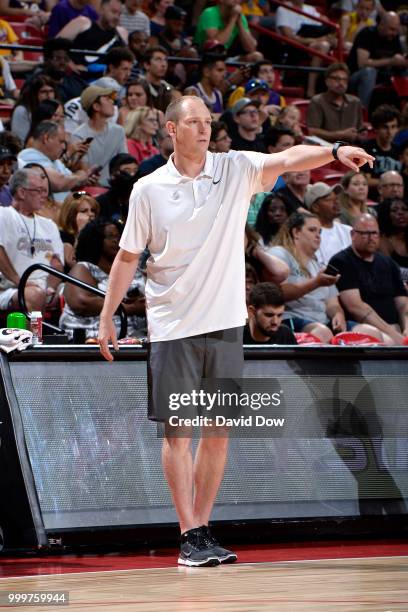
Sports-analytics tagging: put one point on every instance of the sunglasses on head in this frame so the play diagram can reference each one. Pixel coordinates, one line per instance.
(77, 195)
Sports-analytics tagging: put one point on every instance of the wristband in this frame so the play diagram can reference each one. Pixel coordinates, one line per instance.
(337, 146)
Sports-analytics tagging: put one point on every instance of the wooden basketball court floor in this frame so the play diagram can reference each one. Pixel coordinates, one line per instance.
(321, 577)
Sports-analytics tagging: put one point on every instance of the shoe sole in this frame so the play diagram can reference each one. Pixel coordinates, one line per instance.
(228, 559)
(211, 562)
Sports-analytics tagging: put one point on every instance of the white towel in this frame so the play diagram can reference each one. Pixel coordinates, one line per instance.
(12, 339)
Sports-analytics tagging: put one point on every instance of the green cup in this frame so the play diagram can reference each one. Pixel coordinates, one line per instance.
(17, 320)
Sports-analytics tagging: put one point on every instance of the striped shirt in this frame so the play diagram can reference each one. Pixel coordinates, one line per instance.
(138, 21)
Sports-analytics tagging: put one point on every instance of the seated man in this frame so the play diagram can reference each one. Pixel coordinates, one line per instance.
(306, 31)
(48, 146)
(265, 310)
(375, 55)
(322, 201)
(119, 63)
(65, 11)
(99, 35)
(133, 18)
(226, 24)
(155, 64)
(245, 113)
(370, 285)
(107, 140)
(335, 115)
(25, 239)
(390, 185)
(295, 191)
(213, 72)
(385, 121)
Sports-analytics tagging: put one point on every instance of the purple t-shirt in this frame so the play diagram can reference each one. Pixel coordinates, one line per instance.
(63, 13)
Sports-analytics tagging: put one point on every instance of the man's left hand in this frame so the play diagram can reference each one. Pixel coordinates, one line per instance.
(354, 157)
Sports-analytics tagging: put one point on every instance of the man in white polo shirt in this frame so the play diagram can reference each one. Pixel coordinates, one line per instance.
(191, 215)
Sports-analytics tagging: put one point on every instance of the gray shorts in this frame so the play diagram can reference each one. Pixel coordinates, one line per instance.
(176, 367)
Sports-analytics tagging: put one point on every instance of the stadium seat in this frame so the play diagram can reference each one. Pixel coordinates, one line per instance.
(307, 339)
(326, 175)
(94, 190)
(355, 339)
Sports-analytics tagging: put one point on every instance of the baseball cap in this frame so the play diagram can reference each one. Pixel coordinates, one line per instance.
(175, 12)
(320, 190)
(242, 103)
(254, 84)
(5, 153)
(92, 93)
(214, 46)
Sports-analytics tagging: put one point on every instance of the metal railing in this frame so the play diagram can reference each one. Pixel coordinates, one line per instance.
(293, 43)
(69, 279)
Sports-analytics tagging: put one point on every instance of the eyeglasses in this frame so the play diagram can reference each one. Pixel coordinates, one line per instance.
(399, 185)
(77, 195)
(367, 234)
(151, 119)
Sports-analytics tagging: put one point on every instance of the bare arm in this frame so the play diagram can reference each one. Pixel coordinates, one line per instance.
(401, 303)
(336, 314)
(60, 182)
(349, 134)
(294, 291)
(81, 301)
(365, 61)
(248, 42)
(74, 27)
(7, 268)
(276, 270)
(123, 270)
(363, 313)
(307, 157)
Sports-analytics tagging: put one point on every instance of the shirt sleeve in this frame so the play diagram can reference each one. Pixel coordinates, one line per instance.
(137, 232)
(11, 35)
(253, 163)
(209, 19)
(282, 18)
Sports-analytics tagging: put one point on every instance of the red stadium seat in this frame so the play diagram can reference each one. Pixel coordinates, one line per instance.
(94, 190)
(326, 175)
(308, 339)
(355, 339)
(6, 110)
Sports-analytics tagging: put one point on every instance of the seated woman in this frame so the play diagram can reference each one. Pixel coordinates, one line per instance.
(312, 303)
(140, 128)
(97, 246)
(353, 200)
(76, 211)
(393, 223)
(137, 95)
(271, 216)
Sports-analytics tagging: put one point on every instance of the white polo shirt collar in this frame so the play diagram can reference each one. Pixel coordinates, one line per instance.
(206, 172)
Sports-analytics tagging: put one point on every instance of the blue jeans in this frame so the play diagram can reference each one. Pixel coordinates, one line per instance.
(363, 82)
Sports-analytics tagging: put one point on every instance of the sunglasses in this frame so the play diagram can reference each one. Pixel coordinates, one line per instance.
(77, 195)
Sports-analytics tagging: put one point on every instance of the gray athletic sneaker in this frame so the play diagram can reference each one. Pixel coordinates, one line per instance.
(224, 555)
(195, 551)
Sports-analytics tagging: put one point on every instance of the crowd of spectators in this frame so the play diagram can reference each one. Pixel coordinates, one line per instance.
(326, 251)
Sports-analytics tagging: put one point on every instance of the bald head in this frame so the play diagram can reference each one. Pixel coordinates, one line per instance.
(390, 185)
(389, 25)
(364, 221)
(181, 106)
